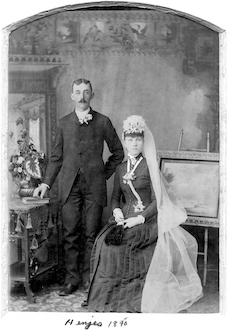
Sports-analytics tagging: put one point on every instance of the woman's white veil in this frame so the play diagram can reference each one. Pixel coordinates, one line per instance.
(172, 283)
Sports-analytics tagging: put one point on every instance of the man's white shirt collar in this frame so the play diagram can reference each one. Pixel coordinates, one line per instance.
(82, 114)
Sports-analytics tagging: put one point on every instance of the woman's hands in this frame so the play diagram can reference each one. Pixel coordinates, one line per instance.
(127, 223)
(131, 222)
(118, 215)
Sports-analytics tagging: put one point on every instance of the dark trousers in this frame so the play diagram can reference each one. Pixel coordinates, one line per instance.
(79, 212)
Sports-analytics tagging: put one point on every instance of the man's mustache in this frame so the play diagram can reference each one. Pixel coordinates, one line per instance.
(82, 101)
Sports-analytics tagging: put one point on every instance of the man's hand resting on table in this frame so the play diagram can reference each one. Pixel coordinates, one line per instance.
(40, 191)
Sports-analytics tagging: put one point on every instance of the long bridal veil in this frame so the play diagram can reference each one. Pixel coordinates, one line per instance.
(172, 283)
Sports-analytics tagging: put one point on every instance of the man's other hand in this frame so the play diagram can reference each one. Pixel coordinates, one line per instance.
(40, 191)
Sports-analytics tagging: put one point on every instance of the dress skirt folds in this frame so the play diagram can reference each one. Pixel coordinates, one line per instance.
(118, 272)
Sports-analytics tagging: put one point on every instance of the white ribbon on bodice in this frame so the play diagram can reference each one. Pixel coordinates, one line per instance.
(128, 178)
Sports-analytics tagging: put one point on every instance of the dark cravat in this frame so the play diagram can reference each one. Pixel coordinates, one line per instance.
(133, 161)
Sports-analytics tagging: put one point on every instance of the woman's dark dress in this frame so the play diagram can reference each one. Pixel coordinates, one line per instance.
(118, 271)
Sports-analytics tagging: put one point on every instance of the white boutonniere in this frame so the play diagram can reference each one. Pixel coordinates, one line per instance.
(86, 119)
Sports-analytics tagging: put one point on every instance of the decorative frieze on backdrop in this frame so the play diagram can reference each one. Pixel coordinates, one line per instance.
(125, 31)
(57, 39)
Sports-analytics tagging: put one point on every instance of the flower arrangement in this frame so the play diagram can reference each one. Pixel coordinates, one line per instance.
(27, 165)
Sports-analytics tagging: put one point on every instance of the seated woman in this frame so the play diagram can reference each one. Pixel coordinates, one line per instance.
(142, 260)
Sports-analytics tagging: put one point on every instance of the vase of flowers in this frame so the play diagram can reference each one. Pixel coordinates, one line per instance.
(27, 165)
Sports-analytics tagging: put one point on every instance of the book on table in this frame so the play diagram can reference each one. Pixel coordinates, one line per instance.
(35, 200)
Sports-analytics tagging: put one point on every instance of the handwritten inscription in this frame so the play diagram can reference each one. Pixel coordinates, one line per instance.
(118, 323)
(88, 324)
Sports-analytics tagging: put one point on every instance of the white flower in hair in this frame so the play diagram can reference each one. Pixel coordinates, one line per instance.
(134, 124)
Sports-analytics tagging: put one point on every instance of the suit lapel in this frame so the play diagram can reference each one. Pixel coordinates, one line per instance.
(92, 112)
(84, 130)
(74, 118)
(74, 127)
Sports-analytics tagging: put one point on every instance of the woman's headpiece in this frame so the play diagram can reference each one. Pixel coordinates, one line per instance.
(134, 125)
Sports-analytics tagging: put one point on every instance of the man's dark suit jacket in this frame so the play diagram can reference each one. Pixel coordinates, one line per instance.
(81, 146)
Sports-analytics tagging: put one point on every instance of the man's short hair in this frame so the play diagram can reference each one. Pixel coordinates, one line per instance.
(80, 81)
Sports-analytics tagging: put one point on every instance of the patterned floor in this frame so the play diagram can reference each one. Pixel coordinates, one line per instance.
(48, 300)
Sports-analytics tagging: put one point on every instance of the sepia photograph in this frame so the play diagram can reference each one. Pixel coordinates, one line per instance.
(114, 153)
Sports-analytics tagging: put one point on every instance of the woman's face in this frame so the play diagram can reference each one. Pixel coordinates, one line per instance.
(134, 145)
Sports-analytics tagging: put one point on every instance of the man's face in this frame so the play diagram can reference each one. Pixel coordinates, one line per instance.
(82, 96)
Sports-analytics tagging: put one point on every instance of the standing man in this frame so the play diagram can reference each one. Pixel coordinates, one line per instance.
(78, 152)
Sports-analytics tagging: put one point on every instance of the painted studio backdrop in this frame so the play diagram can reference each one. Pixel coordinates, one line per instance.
(160, 65)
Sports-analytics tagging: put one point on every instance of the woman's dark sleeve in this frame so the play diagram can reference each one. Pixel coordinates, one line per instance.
(151, 209)
(117, 191)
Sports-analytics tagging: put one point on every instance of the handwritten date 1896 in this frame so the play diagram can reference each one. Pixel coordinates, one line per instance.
(88, 324)
(115, 324)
